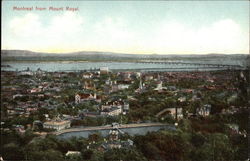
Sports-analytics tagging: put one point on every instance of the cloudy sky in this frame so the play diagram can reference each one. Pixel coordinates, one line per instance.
(140, 27)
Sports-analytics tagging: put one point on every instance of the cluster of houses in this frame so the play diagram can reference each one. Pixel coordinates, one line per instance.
(112, 141)
(39, 93)
(109, 108)
(114, 108)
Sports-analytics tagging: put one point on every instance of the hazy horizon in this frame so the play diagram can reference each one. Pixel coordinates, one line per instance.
(129, 27)
(57, 53)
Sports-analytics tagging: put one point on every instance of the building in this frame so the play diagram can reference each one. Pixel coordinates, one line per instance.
(104, 70)
(123, 86)
(149, 77)
(56, 124)
(88, 84)
(120, 105)
(35, 90)
(87, 75)
(113, 111)
(114, 142)
(172, 112)
(74, 153)
(142, 87)
(79, 98)
(114, 88)
(204, 111)
(159, 86)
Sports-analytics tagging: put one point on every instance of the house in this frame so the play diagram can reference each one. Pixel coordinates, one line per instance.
(35, 90)
(69, 153)
(172, 112)
(113, 111)
(108, 82)
(159, 87)
(124, 106)
(123, 86)
(187, 91)
(17, 95)
(127, 144)
(88, 84)
(137, 74)
(56, 124)
(172, 88)
(19, 128)
(234, 128)
(230, 110)
(39, 71)
(114, 134)
(114, 88)
(37, 124)
(182, 99)
(87, 75)
(29, 109)
(149, 77)
(204, 111)
(114, 142)
(25, 73)
(79, 98)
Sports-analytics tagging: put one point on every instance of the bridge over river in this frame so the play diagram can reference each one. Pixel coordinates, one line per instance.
(131, 129)
(224, 66)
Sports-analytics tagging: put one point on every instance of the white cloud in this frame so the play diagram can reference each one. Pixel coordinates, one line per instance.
(25, 26)
(114, 34)
(223, 36)
(31, 33)
(67, 24)
(111, 33)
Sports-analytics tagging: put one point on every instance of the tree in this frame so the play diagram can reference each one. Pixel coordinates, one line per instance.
(222, 148)
(46, 155)
(12, 151)
(87, 154)
(198, 139)
(123, 154)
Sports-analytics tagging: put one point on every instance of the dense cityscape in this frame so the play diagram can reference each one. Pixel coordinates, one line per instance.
(124, 115)
(125, 80)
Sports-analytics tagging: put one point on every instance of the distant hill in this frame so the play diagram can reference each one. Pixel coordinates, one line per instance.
(25, 55)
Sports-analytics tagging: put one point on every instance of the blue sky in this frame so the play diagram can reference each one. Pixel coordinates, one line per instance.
(140, 27)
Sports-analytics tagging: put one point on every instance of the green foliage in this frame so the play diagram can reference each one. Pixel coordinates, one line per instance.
(11, 151)
(123, 154)
(87, 154)
(163, 146)
(45, 155)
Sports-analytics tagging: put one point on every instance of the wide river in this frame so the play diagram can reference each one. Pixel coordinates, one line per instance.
(80, 65)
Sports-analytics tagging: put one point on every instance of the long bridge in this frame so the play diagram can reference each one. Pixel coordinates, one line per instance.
(194, 64)
(108, 127)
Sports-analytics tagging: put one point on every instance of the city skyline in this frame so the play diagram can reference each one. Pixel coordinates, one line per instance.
(161, 27)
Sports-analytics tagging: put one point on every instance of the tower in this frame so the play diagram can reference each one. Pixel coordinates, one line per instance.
(140, 85)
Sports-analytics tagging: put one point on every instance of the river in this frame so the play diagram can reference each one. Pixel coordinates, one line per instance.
(80, 65)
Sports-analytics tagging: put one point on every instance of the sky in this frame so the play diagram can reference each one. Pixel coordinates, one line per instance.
(137, 27)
